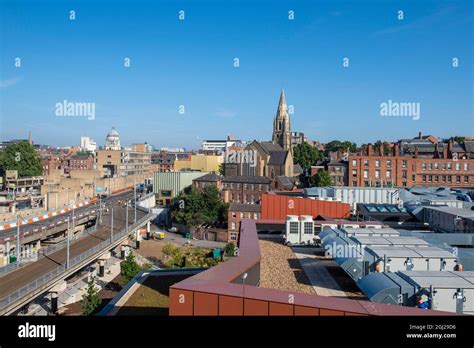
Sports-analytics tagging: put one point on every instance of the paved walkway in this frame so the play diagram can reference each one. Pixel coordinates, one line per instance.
(315, 269)
(74, 291)
(179, 239)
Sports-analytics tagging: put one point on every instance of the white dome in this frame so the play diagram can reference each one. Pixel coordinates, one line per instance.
(112, 141)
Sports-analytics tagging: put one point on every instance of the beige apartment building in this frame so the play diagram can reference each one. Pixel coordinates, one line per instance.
(125, 162)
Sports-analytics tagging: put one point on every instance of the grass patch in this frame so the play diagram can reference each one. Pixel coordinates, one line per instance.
(152, 297)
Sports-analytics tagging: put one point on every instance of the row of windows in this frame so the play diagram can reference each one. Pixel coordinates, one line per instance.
(251, 199)
(388, 163)
(388, 174)
(253, 216)
(424, 165)
(445, 178)
(249, 187)
(444, 166)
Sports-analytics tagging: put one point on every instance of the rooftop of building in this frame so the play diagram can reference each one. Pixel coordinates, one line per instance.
(241, 207)
(220, 284)
(211, 177)
(464, 213)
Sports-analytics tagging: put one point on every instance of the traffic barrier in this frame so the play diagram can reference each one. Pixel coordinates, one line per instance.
(46, 216)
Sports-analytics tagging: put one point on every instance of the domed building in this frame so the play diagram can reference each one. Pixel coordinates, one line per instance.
(112, 141)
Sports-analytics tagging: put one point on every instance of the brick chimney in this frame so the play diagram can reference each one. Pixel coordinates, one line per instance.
(381, 147)
(396, 150)
(445, 151)
(420, 135)
(436, 152)
(451, 147)
(369, 149)
(416, 150)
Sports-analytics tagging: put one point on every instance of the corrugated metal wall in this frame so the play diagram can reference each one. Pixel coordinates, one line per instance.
(277, 207)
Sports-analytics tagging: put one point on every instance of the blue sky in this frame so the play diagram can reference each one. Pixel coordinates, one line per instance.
(190, 63)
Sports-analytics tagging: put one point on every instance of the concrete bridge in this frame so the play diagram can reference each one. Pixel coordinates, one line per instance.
(21, 286)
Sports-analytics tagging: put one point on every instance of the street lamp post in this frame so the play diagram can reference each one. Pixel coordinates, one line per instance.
(67, 244)
(135, 200)
(100, 208)
(73, 219)
(18, 253)
(112, 226)
(243, 284)
(126, 217)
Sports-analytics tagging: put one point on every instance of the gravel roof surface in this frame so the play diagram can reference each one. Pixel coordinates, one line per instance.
(280, 269)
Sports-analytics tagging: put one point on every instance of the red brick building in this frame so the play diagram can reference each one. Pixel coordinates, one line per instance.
(422, 164)
(238, 212)
(51, 164)
(208, 179)
(81, 162)
(245, 189)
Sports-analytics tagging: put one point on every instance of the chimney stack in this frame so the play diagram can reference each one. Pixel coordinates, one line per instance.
(396, 150)
(450, 147)
(369, 149)
(436, 153)
(416, 151)
(420, 135)
(445, 151)
(381, 148)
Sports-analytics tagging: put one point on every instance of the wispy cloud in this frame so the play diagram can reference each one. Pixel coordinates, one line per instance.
(224, 113)
(10, 82)
(428, 20)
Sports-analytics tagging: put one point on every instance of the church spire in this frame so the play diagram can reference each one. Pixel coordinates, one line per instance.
(281, 124)
(282, 107)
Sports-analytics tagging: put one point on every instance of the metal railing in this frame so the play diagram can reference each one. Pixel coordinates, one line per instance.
(45, 251)
(85, 256)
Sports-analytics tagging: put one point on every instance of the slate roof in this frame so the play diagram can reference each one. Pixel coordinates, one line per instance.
(297, 169)
(277, 157)
(253, 208)
(285, 182)
(210, 177)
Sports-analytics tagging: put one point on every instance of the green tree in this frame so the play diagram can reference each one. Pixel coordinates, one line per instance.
(196, 208)
(305, 155)
(322, 178)
(173, 254)
(221, 169)
(458, 139)
(22, 157)
(129, 268)
(378, 144)
(340, 146)
(230, 249)
(91, 300)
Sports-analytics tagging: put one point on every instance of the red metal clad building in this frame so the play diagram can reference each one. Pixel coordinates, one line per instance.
(277, 207)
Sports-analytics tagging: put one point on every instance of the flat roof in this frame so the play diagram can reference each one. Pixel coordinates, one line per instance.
(439, 282)
(373, 231)
(405, 251)
(454, 211)
(385, 240)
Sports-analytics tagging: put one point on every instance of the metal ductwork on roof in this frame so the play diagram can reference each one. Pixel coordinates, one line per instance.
(447, 291)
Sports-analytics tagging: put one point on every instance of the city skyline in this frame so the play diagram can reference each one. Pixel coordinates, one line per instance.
(188, 65)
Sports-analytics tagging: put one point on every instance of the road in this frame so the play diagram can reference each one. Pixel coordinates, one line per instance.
(17, 279)
(38, 226)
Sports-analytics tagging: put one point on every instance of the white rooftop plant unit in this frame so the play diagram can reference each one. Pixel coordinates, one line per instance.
(403, 258)
(306, 230)
(446, 290)
(292, 232)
